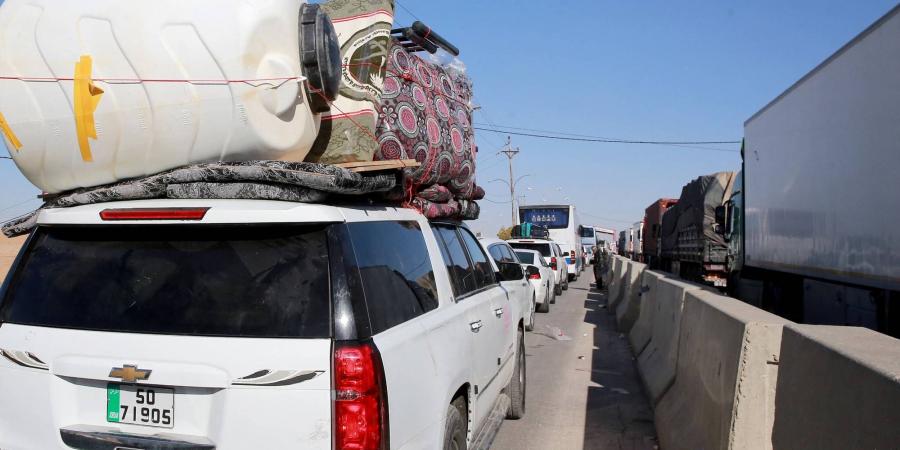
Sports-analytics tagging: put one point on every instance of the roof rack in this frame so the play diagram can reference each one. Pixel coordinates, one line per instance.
(420, 37)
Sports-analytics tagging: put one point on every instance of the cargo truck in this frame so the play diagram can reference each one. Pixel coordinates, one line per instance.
(652, 225)
(812, 225)
(637, 238)
(692, 243)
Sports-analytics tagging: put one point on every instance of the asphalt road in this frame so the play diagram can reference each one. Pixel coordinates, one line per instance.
(582, 393)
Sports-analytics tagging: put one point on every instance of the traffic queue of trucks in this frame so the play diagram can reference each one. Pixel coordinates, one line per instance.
(807, 229)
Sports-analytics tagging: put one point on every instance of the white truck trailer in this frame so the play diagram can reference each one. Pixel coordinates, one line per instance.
(813, 224)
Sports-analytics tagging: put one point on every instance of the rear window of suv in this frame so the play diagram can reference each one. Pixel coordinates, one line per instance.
(544, 249)
(260, 281)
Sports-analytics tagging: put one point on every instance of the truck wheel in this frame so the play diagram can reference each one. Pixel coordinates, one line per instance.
(516, 387)
(557, 290)
(455, 428)
(565, 285)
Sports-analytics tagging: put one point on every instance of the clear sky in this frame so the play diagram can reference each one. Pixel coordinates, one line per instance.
(647, 70)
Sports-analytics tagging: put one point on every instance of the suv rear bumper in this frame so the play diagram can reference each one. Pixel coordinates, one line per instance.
(87, 437)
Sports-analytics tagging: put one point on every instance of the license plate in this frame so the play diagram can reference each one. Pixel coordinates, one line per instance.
(140, 405)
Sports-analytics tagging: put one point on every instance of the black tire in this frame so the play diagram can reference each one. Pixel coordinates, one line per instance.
(516, 387)
(545, 307)
(455, 428)
(565, 285)
(529, 326)
(557, 290)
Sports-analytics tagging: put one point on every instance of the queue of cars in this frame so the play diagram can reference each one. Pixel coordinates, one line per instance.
(552, 254)
(541, 277)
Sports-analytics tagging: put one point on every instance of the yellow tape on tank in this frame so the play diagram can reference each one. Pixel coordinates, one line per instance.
(87, 97)
(8, 132)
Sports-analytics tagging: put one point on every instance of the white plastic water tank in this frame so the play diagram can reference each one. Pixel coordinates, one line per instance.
(183, 81)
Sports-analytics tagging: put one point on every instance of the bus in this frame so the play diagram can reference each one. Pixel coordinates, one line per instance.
(565, 229)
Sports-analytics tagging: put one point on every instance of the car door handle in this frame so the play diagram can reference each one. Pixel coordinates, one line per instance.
(476, 325)
(498, 312)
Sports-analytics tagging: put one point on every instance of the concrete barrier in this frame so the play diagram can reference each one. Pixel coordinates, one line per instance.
(607, 276)
(723, 396)
(9, 248)
(657, 362)
(628, 309)
(615, 284)
(838, 388)
(642, 330)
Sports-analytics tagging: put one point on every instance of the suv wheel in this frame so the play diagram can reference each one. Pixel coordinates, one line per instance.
(516, 387)
(455, 429)
(557, 290)
(545, 307)
(529, 326)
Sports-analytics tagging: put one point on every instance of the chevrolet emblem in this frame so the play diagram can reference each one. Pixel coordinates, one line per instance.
(129, 373)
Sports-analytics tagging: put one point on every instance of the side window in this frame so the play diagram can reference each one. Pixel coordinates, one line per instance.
(508, 255)
(484, 271)
(461, 272)
(396, 271)
(495, 252)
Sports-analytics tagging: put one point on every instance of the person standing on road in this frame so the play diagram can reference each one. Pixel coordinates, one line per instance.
(600, 266)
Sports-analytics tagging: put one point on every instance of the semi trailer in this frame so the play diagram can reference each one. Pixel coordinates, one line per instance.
(812, 223)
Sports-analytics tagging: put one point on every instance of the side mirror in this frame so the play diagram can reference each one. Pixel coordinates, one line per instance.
(532, 271)
(511, 271)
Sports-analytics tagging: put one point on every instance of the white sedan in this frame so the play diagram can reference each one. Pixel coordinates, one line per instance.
(540, 275)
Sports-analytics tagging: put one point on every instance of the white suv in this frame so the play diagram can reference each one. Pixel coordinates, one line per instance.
(553, 256)
(236, 324)
(520, 289)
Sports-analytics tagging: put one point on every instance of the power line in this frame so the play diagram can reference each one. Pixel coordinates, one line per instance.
(407, 10)
(494, 125)
(485, 137)
(495, 201)
(17, 204)
(613, 141)
(5, 157)
(2, 221)
(607, 218)
(592, 136)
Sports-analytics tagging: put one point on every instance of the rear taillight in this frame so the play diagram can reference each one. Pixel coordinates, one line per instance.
(153, 213)
(360, 406)
(553, 262)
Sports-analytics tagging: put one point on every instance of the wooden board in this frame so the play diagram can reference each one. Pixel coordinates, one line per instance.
(371, 166)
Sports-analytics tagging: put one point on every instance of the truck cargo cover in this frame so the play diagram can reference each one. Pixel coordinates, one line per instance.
(697, 207)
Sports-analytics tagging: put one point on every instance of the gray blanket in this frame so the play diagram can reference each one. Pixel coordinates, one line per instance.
(270, 180)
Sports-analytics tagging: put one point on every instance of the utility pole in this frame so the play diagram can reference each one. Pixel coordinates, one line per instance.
(510, 153)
